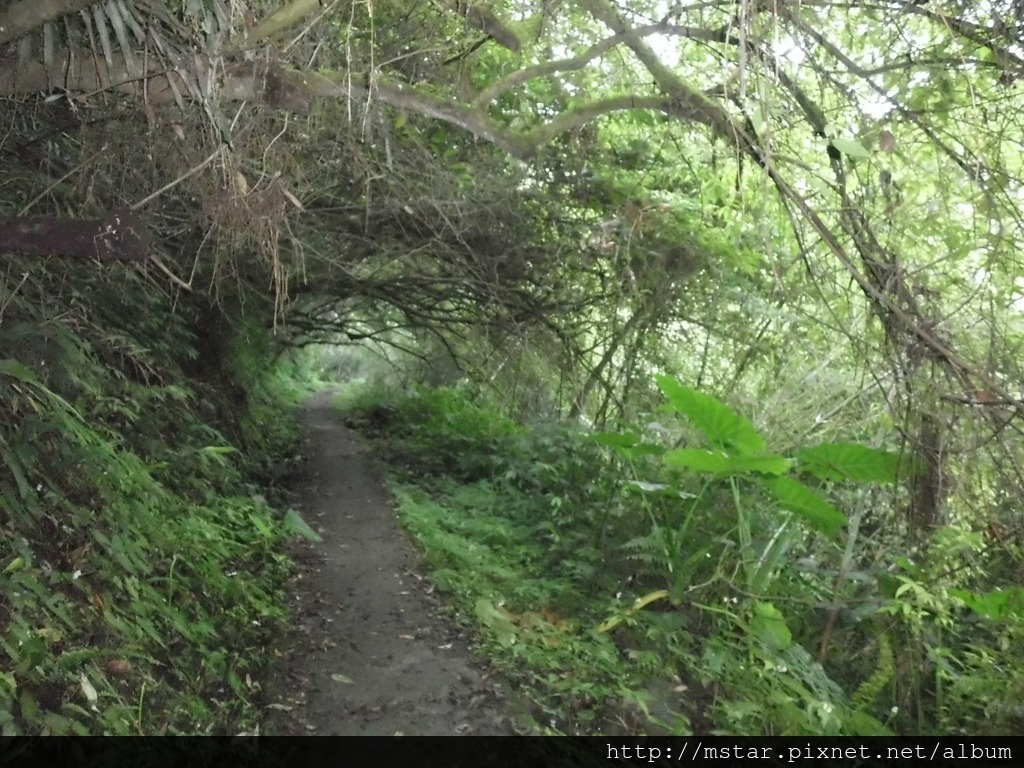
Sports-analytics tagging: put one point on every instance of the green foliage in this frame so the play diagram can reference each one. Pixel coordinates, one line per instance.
(784, 691)
(519, 549)
(850, 461)
(141, 570)
(874, 270)
(740, 451)
(998, 605)
(489, 560)
(699, 554)
(871, 688)
(434, 432)
(722, 426)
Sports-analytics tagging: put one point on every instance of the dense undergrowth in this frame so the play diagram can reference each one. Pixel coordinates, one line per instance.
(628, 585)
(141, 573)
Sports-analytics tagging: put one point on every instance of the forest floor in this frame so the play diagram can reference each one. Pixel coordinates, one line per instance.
(369, 651)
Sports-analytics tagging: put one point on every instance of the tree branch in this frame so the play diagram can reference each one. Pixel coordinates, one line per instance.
(689, 102)
(576, 63)
(483, 18)
(120, 236)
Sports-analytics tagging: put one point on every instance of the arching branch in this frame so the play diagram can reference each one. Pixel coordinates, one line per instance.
(576, 63)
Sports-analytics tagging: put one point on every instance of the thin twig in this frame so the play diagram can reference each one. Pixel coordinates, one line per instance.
(28, 206)
(173, 277)
(177, 181)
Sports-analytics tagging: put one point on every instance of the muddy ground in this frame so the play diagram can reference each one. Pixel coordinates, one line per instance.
(370, 652)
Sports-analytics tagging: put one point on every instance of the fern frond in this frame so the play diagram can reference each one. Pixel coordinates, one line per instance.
(872, 687)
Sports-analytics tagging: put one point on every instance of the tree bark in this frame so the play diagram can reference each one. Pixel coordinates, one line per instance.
(119, 236)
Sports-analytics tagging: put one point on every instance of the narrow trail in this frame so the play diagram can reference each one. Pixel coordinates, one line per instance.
(370, 655)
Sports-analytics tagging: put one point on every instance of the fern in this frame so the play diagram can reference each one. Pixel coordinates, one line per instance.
(650, 551)
(870, 688)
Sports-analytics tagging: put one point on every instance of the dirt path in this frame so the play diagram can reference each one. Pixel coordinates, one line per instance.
(369, 653)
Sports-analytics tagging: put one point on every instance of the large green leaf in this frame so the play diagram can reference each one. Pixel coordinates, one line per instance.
(699, 460)
(721, 424)
(850, 461)
(615, 439)
(797, 497)
(723, 464)
(769, 626)
(852, 148)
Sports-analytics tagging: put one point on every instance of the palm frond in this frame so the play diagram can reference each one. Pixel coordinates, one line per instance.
(101, 31)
